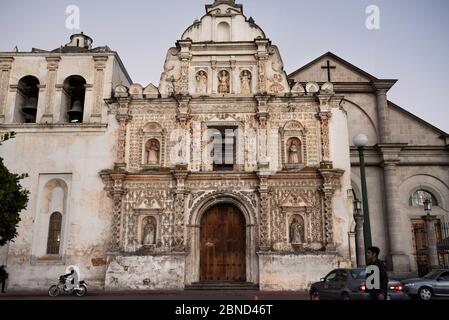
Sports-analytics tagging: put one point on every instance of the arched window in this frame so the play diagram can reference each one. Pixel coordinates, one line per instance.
(54, 233)
(418, 197)
(27, 99)
(223, 32)
(74, 97)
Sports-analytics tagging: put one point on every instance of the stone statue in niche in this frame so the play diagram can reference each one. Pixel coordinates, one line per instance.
(276, 86)
(152, 152)
(294, 151)
(149, 231)
(245, 82)
(201, 82)
(223, 82)
(297, 231)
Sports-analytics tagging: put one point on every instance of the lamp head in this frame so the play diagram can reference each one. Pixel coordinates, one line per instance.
(360, 140)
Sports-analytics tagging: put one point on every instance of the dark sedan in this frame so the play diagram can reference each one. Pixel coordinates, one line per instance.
(434, 284)
(349, 284)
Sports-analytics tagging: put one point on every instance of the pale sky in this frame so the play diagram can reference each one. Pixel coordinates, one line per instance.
(412, 44)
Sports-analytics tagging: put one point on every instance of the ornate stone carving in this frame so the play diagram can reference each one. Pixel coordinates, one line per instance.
(245, 82)
(297, 231)
(223, 82)
(325, 148)
(149, 231)
(201, 82)
(276, 84)
(294, 151)
(312, 87)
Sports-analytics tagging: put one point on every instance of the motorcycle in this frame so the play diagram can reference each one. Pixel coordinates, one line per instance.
(55, 290)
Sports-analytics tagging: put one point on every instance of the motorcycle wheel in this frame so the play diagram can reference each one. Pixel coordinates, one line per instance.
(54, 291)
(82, 291)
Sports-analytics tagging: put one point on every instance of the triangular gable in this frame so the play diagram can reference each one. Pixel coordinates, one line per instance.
(343, 72)
(421, 130)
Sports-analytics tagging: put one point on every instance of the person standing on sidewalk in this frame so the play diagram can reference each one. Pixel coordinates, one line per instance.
(3, 277)
(373, 260)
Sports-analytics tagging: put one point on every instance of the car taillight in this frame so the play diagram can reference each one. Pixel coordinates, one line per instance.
(397, 287)
(362, 287)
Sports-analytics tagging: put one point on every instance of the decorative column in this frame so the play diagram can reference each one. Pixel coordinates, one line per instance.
(398, 259)
(382, 88)
(262, 57)
(331, 182)
(114, 181)
(359, 239)
(185, 56)
(183, 117)
(122, 117)
(100, 66)
(180, 196)
(432, 241)
(325, 149)
(52, 67)
(5, 71)
(263, 117)
(265, 216)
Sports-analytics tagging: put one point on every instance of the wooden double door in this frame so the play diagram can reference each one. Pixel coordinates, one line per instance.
(223, 245)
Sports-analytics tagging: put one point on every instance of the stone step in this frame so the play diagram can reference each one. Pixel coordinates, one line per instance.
(219, 286)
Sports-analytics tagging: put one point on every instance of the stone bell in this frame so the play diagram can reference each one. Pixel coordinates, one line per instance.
(76, 112)
(30, 106)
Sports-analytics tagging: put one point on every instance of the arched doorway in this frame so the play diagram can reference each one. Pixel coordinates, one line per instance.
(223, 244)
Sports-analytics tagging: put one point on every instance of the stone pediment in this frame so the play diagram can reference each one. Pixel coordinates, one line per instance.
(339, 70)
(147, 204)
(293, 201)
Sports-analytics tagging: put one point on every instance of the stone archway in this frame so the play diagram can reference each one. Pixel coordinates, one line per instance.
(192, 268)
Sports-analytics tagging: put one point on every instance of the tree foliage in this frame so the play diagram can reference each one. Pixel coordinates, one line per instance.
(13, 198)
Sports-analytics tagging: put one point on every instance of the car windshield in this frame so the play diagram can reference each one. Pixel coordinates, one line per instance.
(358, 273)
(432, 274)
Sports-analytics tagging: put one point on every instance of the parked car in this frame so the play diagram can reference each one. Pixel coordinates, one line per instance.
(349, 284)
(433, 284)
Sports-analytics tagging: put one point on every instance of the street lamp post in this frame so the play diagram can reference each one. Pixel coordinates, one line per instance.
(360, 141)
(360, 245)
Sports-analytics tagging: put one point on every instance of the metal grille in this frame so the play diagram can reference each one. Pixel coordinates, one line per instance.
(54, 233)
(443, 244)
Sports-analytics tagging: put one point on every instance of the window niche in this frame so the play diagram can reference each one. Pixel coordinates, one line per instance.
(153, 146)
(26, 100)
(73, 98)
(147, 217)
(293, 141)
(51, 221)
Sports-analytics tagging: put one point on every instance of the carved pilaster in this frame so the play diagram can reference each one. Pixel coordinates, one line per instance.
(262, 57)
(331, 182)
(185, 56)
(122, 117)
(265, 219)
(183, 117)
(52, 67)
(263, 116)
(100, 66)
(325, 143)
(5, 71)
(114, 181)
(180, 195)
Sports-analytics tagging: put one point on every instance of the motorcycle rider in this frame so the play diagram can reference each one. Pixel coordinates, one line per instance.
(69, 280)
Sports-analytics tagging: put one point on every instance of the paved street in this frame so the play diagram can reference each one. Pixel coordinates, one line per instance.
(164, 295)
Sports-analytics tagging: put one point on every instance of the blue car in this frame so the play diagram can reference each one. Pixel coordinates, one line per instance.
(434, 284)
(349, 284)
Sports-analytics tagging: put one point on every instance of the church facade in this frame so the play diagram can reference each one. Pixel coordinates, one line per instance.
(229, 171)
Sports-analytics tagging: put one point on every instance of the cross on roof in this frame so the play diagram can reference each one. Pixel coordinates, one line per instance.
(329, 67)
